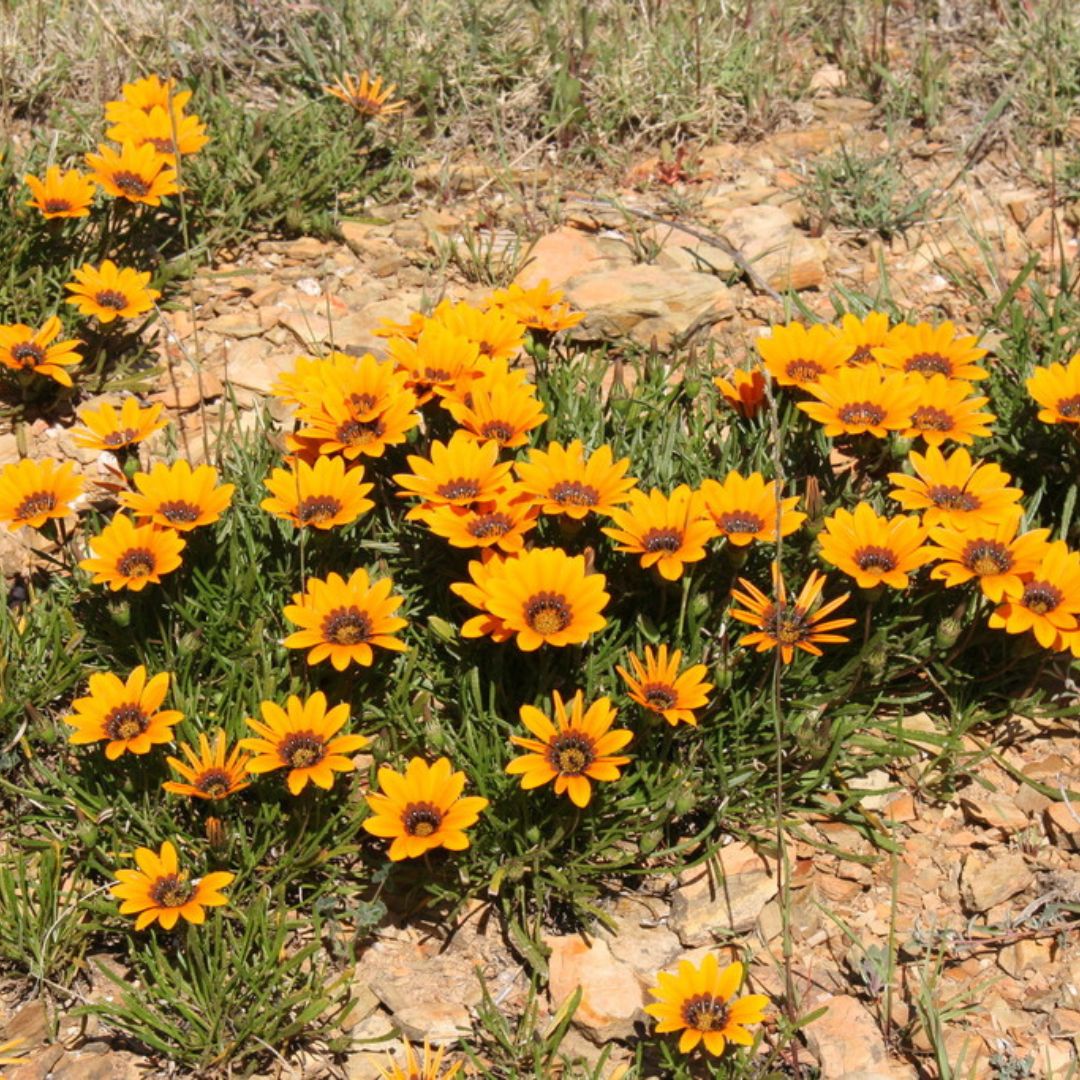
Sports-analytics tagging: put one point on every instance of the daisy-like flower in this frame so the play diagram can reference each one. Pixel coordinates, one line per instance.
(145, 95)
(539, 308)
(436, 361)
(989, 552)
(700, 1002)
(111, 292)
(136, 173)
(955, 490)
(177, 496)
(501, 523)
(366, 95)
(872, 549)
(422, 809)
(785, 625)
(128, 557)
(545, 596)
(32, 492)
(343, 621)
(430, 1068)
(1057, 389)
(334, 425)
(659, 686)
(944, 410)
(744, 391)
(170, 134)
(858, 400)
(208, 773)
(6, 1057)
(458, 473)
(578, 747)
(1050, 598)
(503, 411)
(745, 508)
(323, 495)
(796, 356)
(861, 337)
(496, 334)
(668, 531)
(408, 331)
(303, 738)
(22, 348)
(932, 350)
(126, 715)
(490, 567)
(64, 193)
(565, 481)
(159, 891)
(107, 429)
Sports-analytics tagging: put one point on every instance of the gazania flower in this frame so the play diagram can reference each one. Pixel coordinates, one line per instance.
(32, 492)
(545, 596)
(107, 429)
(208, 772)
(872, 549)
(336, 428)
(436, 362)
(110, 292)
(160, 891)
(366, 95)
(565, 481)
(22, 348)
(502, 411)
(657, 685)
(495, 334)
(795, 356)
(303, 738)
(323, 495)
(744, 509)
(955, 490)
(179, 497)
(1050, 598)
(539, 308)
(415, 1069)
(6, 1057)
(344, 620)
(409, 331)
(861, 337)
(578, 747)
(932, 350)
(168, 133)
(459, 473)
(1057, 389)
(945, 411)
(138, 174)
(989, 552)
(700, 1002)
(668, 531)
(126, 556)
(62, 194)
(490, 567)
(501, 523)
(126, 714)
(422, 809)
(144, 95)
(858, 400)
(787, 626)
(744, 391)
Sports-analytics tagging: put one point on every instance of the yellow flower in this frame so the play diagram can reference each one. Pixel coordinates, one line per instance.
(501, 410)
(540, 308)
(22, 348)
(144, 95)
(208, 772)
(491, 566)
(138, 174)
(861, 337)
(105, 429)
(658, 686)
(874, 550)
(323, 495)
(110, 292)
(32, 492)
(932, 350)
(496, 335)
(745, 509)
(436, 362)
(502, 522)
(945, 411)
(1050, 599)
(177, 496)
(795, 356)
(422, 809)
(458, 473)
(1057, 389)
(858, 400)
(366, 95)
(744, 391)
(565, 481)
(168, 133)
(128, 557)
(62, 194)
(414, 1069)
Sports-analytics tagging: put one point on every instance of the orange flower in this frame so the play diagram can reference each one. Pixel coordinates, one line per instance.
(658, 686)
(62, 194)
(795, 356)
(744, 391)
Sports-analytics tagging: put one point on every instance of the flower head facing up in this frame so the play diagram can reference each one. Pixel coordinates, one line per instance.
(345, 621)
(500, 410)
(436, 362)
(578, 747)
(126, 715)
(932, 350)
(747, 508)
(667, 531)
(366, 95)
(177, 496)
(64, 193)
(539, 308)
(430, 1068)
(422, 809)
(700, 1002)
(796, 356)
(1049, 601)
(658, 685)
(497, 335)
(145, 95)
(303, 738)
(861, 337)
(1057, 389)
(502, 522)
(138, 174)
(945, 410)
(128, 556)
(160, 891)
(565, 481)
(33, 492)
(744, 391)
(170, 134)
(862, 400)
(356, 422)
(873, 549)
(22, 348)
(458, 473)
(989, 552)
(208, 773)
(789, 626)
(321, 496)
(111, 292)
(104, 428)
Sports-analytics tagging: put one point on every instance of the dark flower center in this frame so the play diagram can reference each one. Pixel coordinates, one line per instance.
(660, 696)
(740, 521)
(703, 1012)
(435, 374)
(162, 146)
(574, 493)
(548, 613)
(347, 626)
(458, 488)
(112, 299)
(57, 206)
(662, 540)
(873, 557)
(360, 432)
(984, 557)
(804, 371)
(363, 403)
(865, 413)
(1069, 407)
(39, 502)
(950, 497)
(786, 625)
(500, 430)
(136, 563)
(126, 722)
(861, 355)
(571, 753)
(1041, 597)
(927, 418)
(929, 364)
(301, 749)
(213, 782)
(421, 819)
(316, 509)
(120, 437)
(131, 183)
(180, 511)
(488, 525)
(171, 891)
(29, 353)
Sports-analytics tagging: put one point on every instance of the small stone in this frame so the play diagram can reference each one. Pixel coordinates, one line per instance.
(849, 1044)
(985, 884)
(184, 389)
(1063, 825)
(235, 324)
(778, 252)
(559, 256)
(996, 810)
